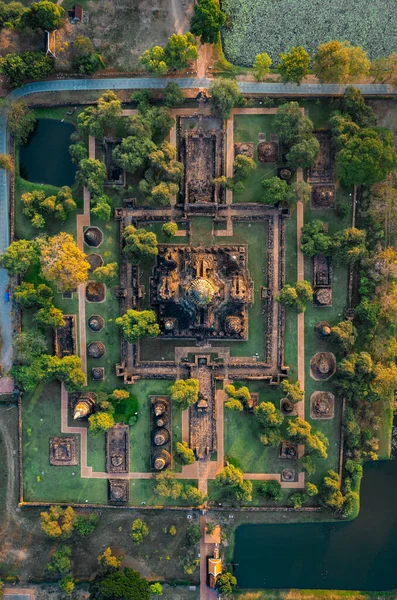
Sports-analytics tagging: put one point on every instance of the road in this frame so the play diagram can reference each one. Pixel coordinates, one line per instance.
(125, 84)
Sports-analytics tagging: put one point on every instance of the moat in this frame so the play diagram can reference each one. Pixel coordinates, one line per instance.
(357, 555)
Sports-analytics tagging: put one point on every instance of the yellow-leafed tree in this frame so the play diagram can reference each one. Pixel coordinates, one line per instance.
(63, 263)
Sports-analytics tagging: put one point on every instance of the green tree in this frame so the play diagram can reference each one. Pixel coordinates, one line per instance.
(132, 153)
(225, 583)
(78, 152)
(58, 522)
(348, 245)
(207, 20)
(18, 257)
(100, 422)
(268, 415)
(338, 62)
(330, 493)
(314, 239)
(49, 316)
(101, 207)
(119, 585)
(366, 157)
(86, 525)
(311, 489)
(173, 95)
(243, 166)
(6, 163)
(60, 560)
(344, 334)
(119, 395)
(170, 228)
(44, 15)
(21, 122)
(234, 404)
(167, 486)
(156, 589)
(303, 154)
(261, 66)
(300, 432)
(292, 124)
(154, 61)
(193, 495)
(136, 324)
(231, 481)
(276, 190)
(293, 391)
(139, 531)
(139, 243)
(225, 94)
(297, 499)
(85, 60)
(296, 296)
(193, 535)
(67, 584)
(294, 65)
(27, 65)
(92, 174)
(107, 273)
(180, 50)
(184, 453)
(307, 464)
(354, 105)
(271, 489)
(184, 392)
(27, 346)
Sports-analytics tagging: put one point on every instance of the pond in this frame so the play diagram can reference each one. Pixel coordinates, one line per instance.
(359, 554)
(46, 158)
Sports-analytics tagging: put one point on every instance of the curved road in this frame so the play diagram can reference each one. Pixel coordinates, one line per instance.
(125, 84)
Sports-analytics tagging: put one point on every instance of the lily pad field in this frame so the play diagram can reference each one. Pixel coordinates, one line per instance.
(255, 26)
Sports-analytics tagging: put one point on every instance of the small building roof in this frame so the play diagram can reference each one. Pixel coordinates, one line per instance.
(76, 13)
(214, 566)
(214, 537)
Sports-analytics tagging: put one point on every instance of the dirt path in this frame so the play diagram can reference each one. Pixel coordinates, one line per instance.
(181, 14)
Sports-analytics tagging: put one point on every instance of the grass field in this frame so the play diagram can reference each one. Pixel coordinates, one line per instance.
(264, 26)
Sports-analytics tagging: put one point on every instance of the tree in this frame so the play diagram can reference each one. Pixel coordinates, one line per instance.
(173, 95)
(193, 495)
(28, 65)
(314, 239)
(67, 584)
(27, 346)
(86, 525)
(303, 154)
(180, 50)
(44, 15)
(78, 152)
(139, 531)
(311, 489)
(243, 166)
(338, 62)
(169, 229)
(63, 263)
(207, 21)
(348, 245)
(156, 589)
(297, 499)
(167, 486)
(85, 60)
(184, 453)
(242, 395)
(296, 296)
(234, 404)
(6, 163)
(261, 66)
(193, 535)
(225, 94)
(344, 334)
(119, 395)
(37, 207)
(18, 257)
(268, 415)
(58, 522)
(92, 174)
(293, 391)
(154, 61)
(100, 422)
(294, 65)
(60, 560)
(107, 273)
(225, 583)
(184, 392)
(101, 207)
(276, 190)
(384, 69)
(330, 493)
(354, 105)
(307, 464)
(139, 243)
(108, 561)
(385, 381)
(231, 481)
(292, 124)
(49, 316)
(119, 585)
(271, 489)
(131, 154)
(366, 157)
(138, 323)
(300, 432)
(21, 121)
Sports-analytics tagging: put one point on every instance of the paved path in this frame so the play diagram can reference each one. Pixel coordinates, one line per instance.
(124, 83)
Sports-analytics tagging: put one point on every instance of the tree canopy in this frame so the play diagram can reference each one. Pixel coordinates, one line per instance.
(139, 243)
(63, 263)
(21, 121)
(261, 66)
(294, 65)
(18, 257)
(314, 239)
(207, 20)
(125, 584)
(44, 15)
(225, 94)
(136, 324)
(231, 481)
(339, 62)
(18, 67)
(185, 392)
(58, 522)
(296, 296)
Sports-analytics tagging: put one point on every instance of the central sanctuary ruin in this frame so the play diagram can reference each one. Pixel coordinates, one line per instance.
(202, 292)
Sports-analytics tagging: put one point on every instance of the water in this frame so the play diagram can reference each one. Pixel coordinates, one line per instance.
(46, 158)
(359, 554)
